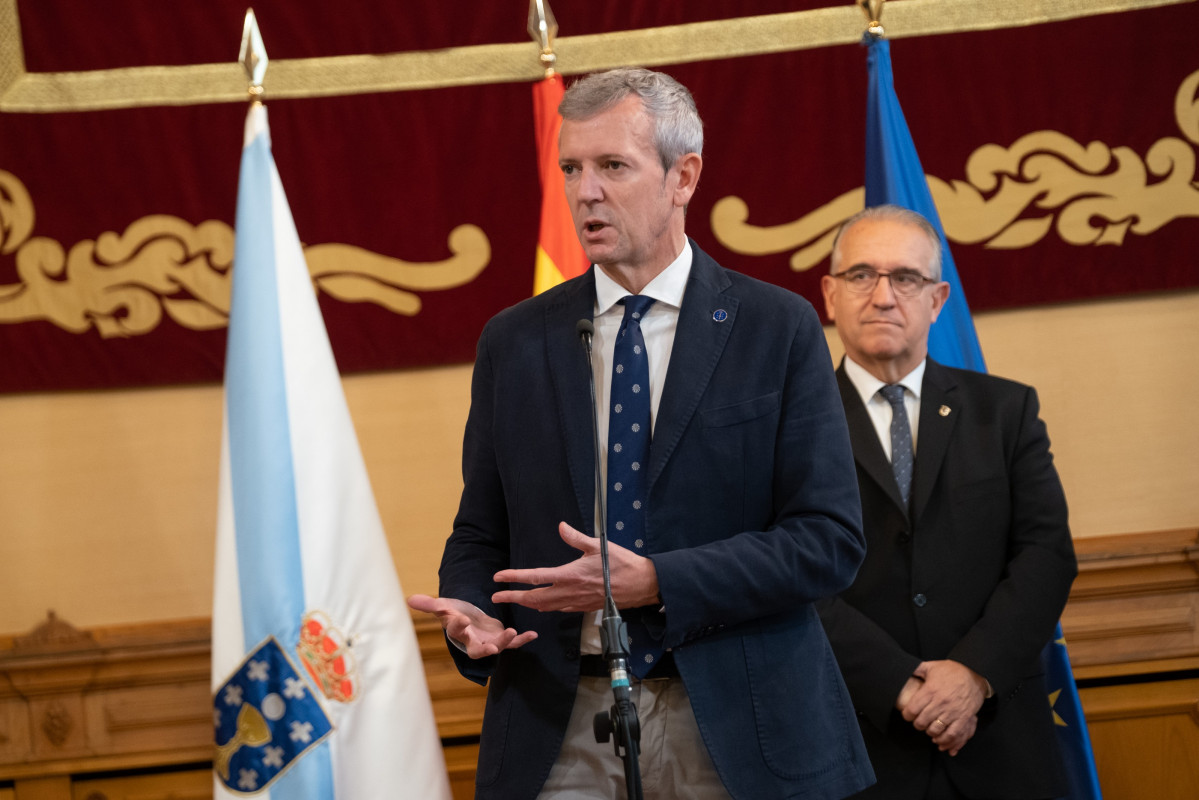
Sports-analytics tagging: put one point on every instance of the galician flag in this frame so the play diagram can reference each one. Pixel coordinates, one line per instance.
(318, 686)
(559, 254)
(894, 175)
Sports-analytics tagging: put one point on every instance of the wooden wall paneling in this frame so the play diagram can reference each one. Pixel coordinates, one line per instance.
(56, 788)
(1145, 737)
(1134, 607)
(118, 698)
(460, 761)
(1132, 629)
(193, 784)
(457, 702)
(15, 731)
(124, 712)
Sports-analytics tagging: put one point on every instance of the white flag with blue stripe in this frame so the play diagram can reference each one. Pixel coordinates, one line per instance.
(318, 686)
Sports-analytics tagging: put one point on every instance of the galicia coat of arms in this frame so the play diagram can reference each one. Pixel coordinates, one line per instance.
(266, 717)
(325, 652)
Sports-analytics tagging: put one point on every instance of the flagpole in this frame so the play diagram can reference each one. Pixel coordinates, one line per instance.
(874, 12)
(543, 27)
(253, 57)
(559, 255)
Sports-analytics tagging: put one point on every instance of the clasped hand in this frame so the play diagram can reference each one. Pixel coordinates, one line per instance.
(575, 586)
(942, 698)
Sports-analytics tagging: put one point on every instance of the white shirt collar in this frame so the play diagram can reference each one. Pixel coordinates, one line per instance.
(868, 385)
(667, 287)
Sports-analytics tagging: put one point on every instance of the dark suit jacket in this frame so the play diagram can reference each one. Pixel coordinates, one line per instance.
(752, 515)
(977, 572)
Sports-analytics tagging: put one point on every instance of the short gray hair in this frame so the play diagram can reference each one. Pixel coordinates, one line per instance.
(892, 213)
(678, 130)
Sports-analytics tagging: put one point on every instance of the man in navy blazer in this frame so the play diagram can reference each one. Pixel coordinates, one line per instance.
(965, 577)
(751, 511)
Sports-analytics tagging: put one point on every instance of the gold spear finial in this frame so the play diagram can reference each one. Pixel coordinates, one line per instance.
(253, 56)
(874, 12)
(543, 28)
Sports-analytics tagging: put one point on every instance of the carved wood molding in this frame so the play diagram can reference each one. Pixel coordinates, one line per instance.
(110, 698)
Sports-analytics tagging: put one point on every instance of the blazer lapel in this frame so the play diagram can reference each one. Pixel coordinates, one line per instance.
(939, 412)
(698, 342)
(570, 373)
(867, 449)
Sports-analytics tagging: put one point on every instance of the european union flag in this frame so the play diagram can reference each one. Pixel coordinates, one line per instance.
(1071, 725)
(894, 175)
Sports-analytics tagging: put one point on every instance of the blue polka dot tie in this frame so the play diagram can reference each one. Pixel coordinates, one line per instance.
(628, 462)
(901, 441)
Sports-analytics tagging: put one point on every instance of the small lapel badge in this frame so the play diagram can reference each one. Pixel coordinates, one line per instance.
(943, 411)
(720, 315)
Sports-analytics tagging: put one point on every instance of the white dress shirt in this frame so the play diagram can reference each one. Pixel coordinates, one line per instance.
(877, 406)
(658, 327)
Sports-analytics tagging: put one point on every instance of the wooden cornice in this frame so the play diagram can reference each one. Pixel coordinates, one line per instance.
(1137, 563)
(1134, 607)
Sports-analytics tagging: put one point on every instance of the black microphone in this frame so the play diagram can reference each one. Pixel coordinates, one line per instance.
(585, 328)
(620, 723)
(586, 331)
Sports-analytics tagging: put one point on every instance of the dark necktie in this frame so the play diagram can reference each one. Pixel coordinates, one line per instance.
(901, 441)
(628, 460)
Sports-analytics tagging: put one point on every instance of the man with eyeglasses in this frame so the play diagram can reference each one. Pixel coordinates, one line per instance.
(969, 557)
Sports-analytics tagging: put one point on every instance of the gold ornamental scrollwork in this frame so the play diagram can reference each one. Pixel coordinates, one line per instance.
(1012, 197)
(121, 284)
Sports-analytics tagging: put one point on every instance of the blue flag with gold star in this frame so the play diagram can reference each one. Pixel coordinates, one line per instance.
(894, 175)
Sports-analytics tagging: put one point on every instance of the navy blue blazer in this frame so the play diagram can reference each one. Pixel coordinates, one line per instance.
(752, 516)
(977, 570)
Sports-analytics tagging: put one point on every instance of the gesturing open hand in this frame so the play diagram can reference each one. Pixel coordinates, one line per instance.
(478, 634)
(579, 585)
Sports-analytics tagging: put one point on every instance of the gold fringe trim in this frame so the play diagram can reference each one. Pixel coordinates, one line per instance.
(503, 63)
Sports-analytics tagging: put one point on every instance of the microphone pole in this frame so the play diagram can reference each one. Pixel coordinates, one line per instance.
(620, 723)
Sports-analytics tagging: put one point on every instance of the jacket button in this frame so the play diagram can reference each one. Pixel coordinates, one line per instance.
(904, 537)
(572, 654)
(920, 600)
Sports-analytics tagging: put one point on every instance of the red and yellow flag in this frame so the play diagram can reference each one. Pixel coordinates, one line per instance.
(559, 254)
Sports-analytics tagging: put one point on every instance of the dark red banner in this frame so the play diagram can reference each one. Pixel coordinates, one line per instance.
(1062, 157)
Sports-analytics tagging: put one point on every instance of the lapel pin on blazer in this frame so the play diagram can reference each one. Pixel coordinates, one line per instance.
(720, 315)
(944, 411)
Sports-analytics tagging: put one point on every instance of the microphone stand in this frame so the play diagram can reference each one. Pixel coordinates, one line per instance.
(620, 723)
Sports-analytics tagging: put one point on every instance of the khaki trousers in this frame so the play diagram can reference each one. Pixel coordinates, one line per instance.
(674, 761)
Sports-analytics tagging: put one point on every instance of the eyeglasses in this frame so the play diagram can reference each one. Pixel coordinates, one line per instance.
(904, 282)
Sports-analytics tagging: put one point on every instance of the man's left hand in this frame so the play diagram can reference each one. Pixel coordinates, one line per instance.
(579, 585)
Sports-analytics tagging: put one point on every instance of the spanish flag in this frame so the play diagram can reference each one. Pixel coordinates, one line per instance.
(559, 254)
